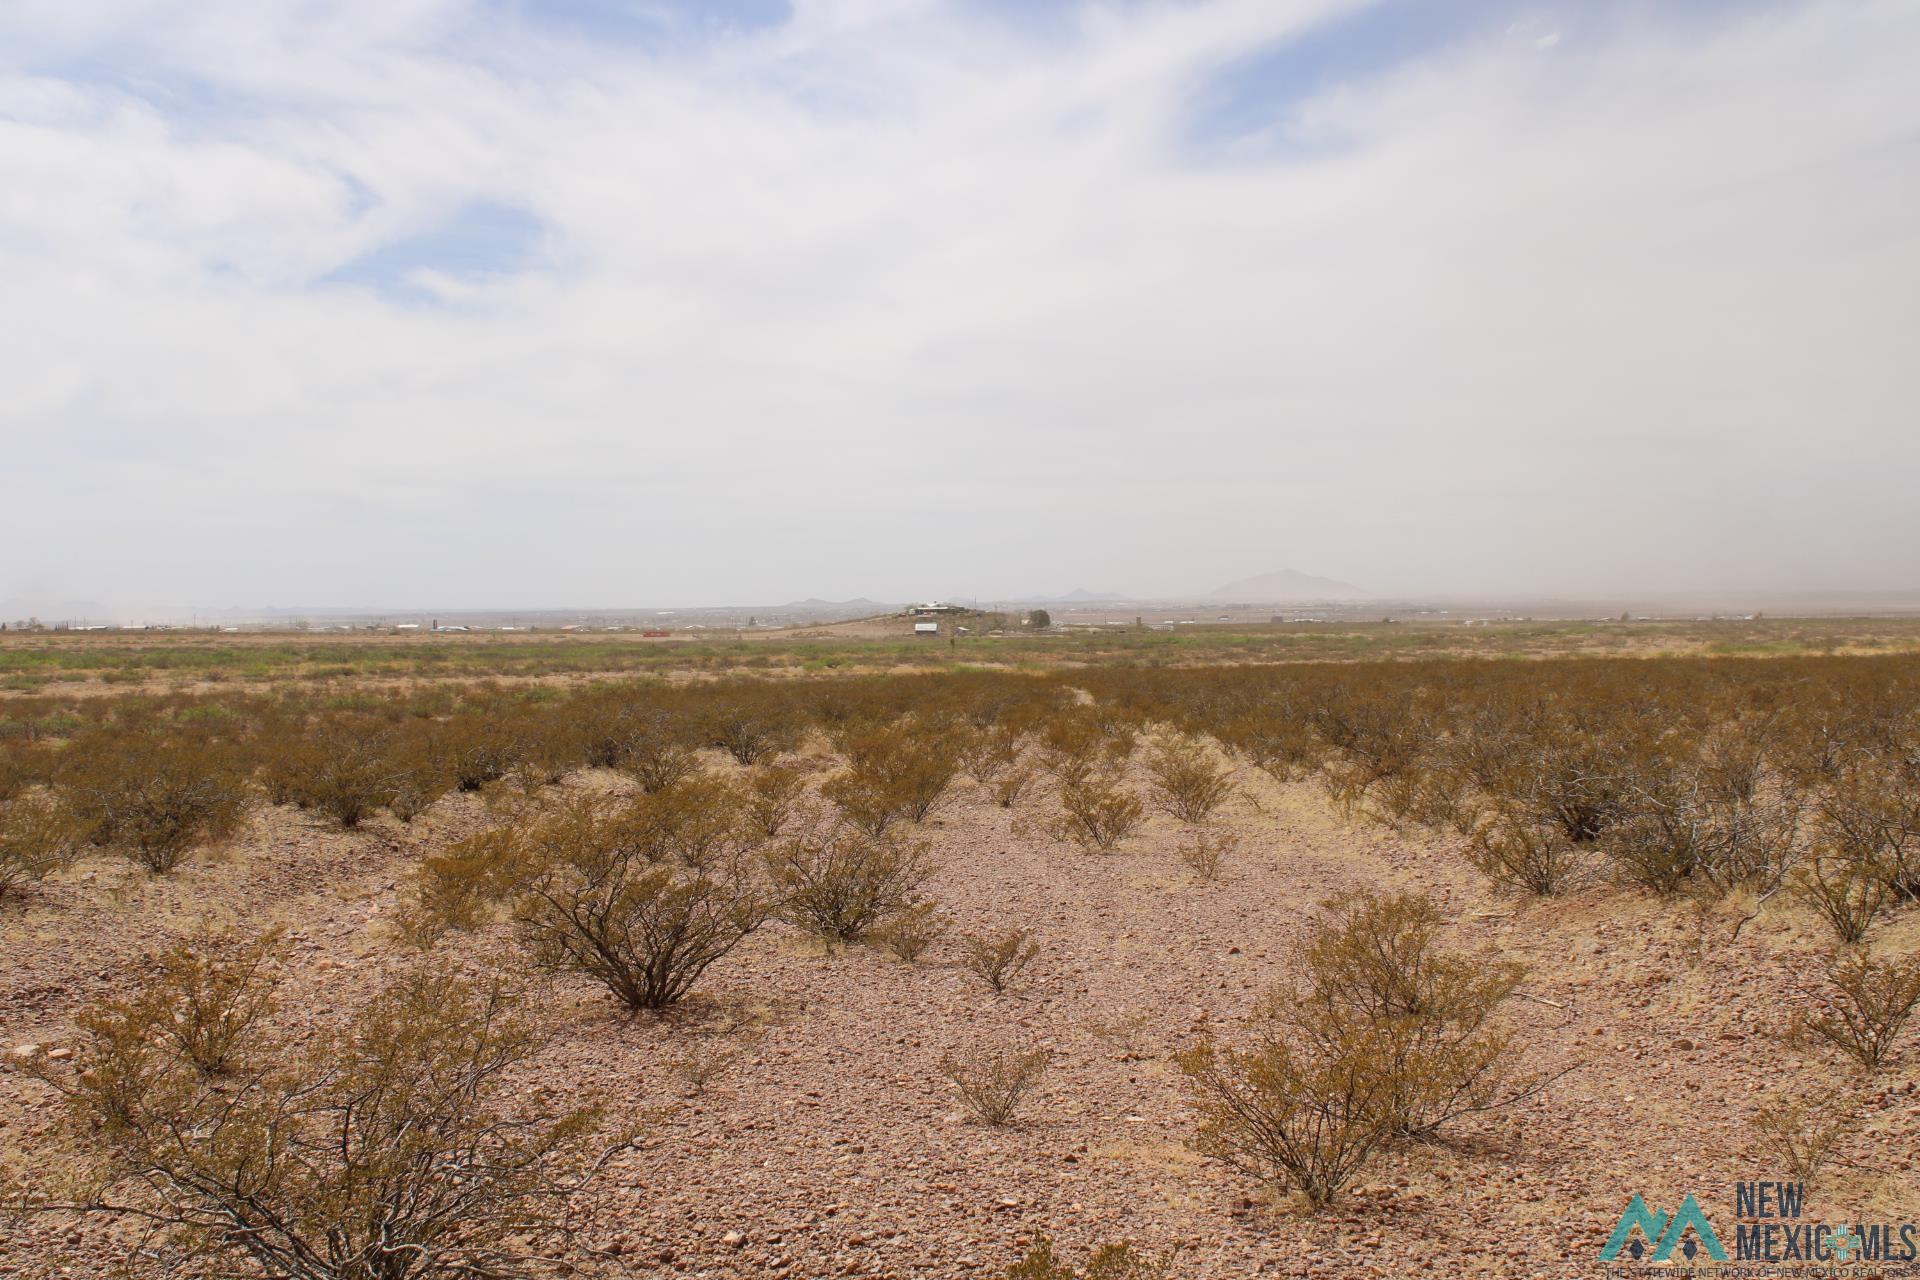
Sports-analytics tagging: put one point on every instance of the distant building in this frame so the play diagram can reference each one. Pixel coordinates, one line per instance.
(926, 628)
(934, 609)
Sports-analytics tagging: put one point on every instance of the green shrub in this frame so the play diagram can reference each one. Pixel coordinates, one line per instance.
(910, 931)
(210, 995)
(1308, 1113)
(1871, 1002)
(38, 836)
(774, 796)
(1186, 780)
(1383, 1036)
(752, 727)
(346, 773)
(998, 961)
(590, 899)
(897, 773)
(994, 1080)
(696, 821)
(1097, 812)
(1205, 851)
(1848, 892)
(843, 884)
(154, 801)
(1108, 1262)
(395, 1149)
(1531, 857)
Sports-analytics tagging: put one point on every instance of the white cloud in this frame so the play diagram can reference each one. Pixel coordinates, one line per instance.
(899, 297)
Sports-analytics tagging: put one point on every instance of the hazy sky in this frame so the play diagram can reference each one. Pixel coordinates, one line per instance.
(549, 302)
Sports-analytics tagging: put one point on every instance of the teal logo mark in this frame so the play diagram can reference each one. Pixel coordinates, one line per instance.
(1686, 1229)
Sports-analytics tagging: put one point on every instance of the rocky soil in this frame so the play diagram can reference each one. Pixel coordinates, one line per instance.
(830, 1145)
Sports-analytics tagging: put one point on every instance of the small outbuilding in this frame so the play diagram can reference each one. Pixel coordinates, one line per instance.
(926, 628)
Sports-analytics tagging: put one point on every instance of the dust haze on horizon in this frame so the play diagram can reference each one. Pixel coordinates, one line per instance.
(535, 304)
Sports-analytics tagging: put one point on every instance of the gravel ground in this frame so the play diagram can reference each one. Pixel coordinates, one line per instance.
(832, 1146)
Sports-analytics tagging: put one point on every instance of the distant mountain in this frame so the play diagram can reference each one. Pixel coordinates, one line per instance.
(1288, 585)
(1079, 595)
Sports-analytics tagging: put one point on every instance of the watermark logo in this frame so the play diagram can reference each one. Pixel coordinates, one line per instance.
(1771, 1232)
(1687, 1227)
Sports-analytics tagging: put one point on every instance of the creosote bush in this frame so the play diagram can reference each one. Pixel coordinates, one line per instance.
(1867, 809)
(1800, 1134)
(474, 750)
(1525, 856)
(696, 821)
(1097, 811)
(705, 1061)
(1108, 1262)
(1308, 1113)
(345, 771)
(463, 888)
(590, 900)
(895, 773)
(1375, 962)
(1128, 1036)
(210, 995)
(1384, 1036)
(994, 1080)
(1847, 892)
(1186, 780)
(774, 797)
(1684, 775)
(1086, 739)
(1688, 824)
(1205, 851)
(654, 756)
(1010, 785)
(22, 768)
(1871, 1002)
(989, 753)
(416, 778)
(392, 1150)
(753, 727)
(909, 932)
(38, 836)
(154, 801)
(1000, 959)
(842, 884)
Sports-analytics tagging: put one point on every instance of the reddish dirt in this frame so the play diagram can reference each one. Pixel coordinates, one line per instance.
(833, 1147)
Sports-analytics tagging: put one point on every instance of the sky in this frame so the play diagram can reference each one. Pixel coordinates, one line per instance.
(551, 303)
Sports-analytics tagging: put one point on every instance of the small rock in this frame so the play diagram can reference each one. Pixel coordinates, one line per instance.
(25, 1052)
(59, 1055)
(733, 1239)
